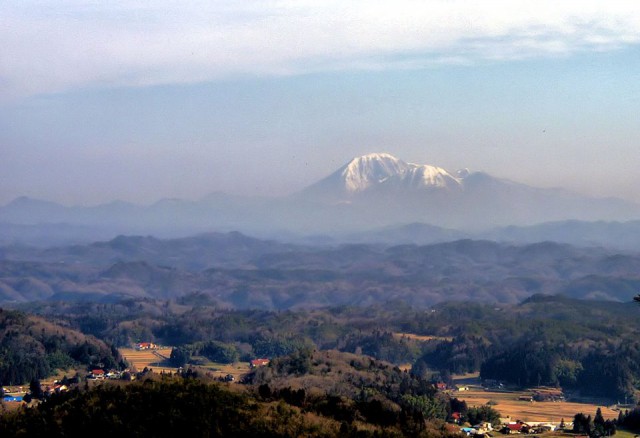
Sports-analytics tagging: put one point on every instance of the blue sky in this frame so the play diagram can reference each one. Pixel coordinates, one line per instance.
(104, 100)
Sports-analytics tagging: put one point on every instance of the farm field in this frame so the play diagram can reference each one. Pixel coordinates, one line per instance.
(156, 359)
(222, 369)
(508, 405)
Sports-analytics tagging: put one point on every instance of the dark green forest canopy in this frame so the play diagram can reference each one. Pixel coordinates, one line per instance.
(558, 340)
(33, 348)
(334, 404)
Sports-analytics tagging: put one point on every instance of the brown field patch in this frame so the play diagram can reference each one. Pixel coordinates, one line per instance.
(237, 370)
(155, 359)
(507, 404)
(158, 361)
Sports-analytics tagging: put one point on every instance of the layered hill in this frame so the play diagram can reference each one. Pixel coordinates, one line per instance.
(295, 276)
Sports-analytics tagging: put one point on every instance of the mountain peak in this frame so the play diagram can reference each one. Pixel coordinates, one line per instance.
(384, 171)
(362, 172)
(426, 176)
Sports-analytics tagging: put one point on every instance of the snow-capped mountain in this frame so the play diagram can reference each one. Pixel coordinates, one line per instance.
(380, 189)
(371, 191)
(368, 170)
(381, 171)
(424, 177)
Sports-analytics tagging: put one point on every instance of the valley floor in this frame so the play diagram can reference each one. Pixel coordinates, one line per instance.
(158, 361)
(508, 403)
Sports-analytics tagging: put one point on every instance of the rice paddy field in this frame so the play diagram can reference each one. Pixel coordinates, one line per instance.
(509, 405)
(158, 360)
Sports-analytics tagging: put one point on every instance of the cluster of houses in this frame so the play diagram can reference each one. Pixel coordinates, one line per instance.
(56, 388)
(99, 374)
(529, 428)
(443, 387)
(479, 430)
(146, 346)
(544, 395)
(22, 395)
(509, 427)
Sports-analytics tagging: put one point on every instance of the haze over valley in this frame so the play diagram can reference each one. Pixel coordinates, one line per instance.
(319, 219)
(374, 193)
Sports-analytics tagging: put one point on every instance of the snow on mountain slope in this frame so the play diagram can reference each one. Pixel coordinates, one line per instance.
(363, 172)
(424, 177)
(370, 171)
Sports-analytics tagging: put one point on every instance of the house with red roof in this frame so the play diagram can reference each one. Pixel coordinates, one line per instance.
(97, 374)
(441, 386)
(255, 363)
(146, 346)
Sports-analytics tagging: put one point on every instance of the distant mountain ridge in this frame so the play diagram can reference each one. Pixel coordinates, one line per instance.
(367, 193)
(237, 271)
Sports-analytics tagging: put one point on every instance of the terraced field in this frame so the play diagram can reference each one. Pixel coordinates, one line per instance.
(508, 404)
(158, 359)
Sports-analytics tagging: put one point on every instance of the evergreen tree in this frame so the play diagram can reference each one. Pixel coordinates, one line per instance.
(36, 389)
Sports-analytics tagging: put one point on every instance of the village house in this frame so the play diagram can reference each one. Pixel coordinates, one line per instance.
(55, 389)
(441, 386)
(146, 346)
(468, 431)
(483, 427)
(515, 427)
(255, 363)
(542, 427)
(96, 374)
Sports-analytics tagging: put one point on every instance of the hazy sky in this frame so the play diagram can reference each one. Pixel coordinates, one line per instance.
(105, 100)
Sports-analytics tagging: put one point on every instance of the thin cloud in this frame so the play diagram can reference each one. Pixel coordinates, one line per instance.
(57, 46)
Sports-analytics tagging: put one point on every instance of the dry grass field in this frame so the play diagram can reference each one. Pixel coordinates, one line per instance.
(158, 361)
(221, 370)
(507, 404)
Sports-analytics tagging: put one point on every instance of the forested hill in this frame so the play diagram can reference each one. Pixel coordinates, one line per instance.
(33, 348)
(296, 277)
(311, 394)
(584, 345)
